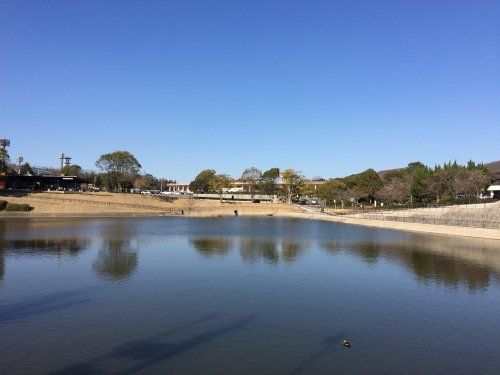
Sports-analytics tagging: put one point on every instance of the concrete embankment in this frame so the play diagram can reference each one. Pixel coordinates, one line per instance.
(410, 227)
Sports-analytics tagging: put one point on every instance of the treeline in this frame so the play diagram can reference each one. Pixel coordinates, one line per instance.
(417, 183)
(288, 184)
(119, 171)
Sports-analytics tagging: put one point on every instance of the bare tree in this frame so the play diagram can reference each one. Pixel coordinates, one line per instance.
(396, 190)
(219, 183)
(190, 203)
(252, 177)
(477, 181)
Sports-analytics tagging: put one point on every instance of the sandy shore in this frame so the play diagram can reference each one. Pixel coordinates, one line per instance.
(108, 205)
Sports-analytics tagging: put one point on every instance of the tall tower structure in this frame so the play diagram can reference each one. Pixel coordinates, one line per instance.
(4, 143)
(19, 161)
(61, 157)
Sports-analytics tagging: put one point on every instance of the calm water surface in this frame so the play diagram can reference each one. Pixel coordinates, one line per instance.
(244, 296)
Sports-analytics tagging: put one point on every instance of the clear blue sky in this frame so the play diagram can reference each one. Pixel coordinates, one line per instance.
(326, 87)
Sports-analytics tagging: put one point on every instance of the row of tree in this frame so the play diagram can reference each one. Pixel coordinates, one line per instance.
(271, 182)
(120, 171)
(416, 183)
(117, 171)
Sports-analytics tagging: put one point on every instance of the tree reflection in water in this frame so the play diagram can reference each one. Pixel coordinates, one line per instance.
(442, 260)
(291, 250)
(212, 246)
(2, 259)
(116, 259)
(56, 247)
(254, 249)
(52, 246)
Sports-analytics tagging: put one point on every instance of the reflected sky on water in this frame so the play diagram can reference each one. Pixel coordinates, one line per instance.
(246, 295)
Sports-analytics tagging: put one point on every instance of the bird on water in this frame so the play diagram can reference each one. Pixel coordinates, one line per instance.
(346, 344)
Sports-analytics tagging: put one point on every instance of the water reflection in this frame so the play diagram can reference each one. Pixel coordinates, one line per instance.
(212, 246)
(58, 248)
(255, 249)
(368, 252)
(271, 250)
(447, 261)
(291, 250)
(2, 261)
(448, 271)
(258, 267)
(116, 259)
(2, 256)
(252, 249)
(44, 304)
(144, 353)
(67, 246)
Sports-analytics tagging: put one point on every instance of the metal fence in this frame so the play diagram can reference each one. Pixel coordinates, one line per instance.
(422, 206)
(103, 204)
(75, 214)
(429, 220)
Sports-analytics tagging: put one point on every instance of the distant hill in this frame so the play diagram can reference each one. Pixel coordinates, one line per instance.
(494, 166)
(383, 173)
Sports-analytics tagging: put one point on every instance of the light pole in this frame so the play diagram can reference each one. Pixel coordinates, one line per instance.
(19, 161)
(61, 156)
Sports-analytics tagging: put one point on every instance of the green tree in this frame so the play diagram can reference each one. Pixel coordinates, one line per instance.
(147, 182)
(366, 183)
(219, 183)
(120, 168)
(421, 190)
(292, 183)
(25, 169)
(4, 160)
(396, 173)
(268, 184)
(252, 176)
(331, 191)
(201, 183)
(71, 170)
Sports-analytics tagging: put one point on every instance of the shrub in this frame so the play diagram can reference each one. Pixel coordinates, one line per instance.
(3, 204)
(17, 207)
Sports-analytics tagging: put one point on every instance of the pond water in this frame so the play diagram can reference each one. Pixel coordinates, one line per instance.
(244, 295)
